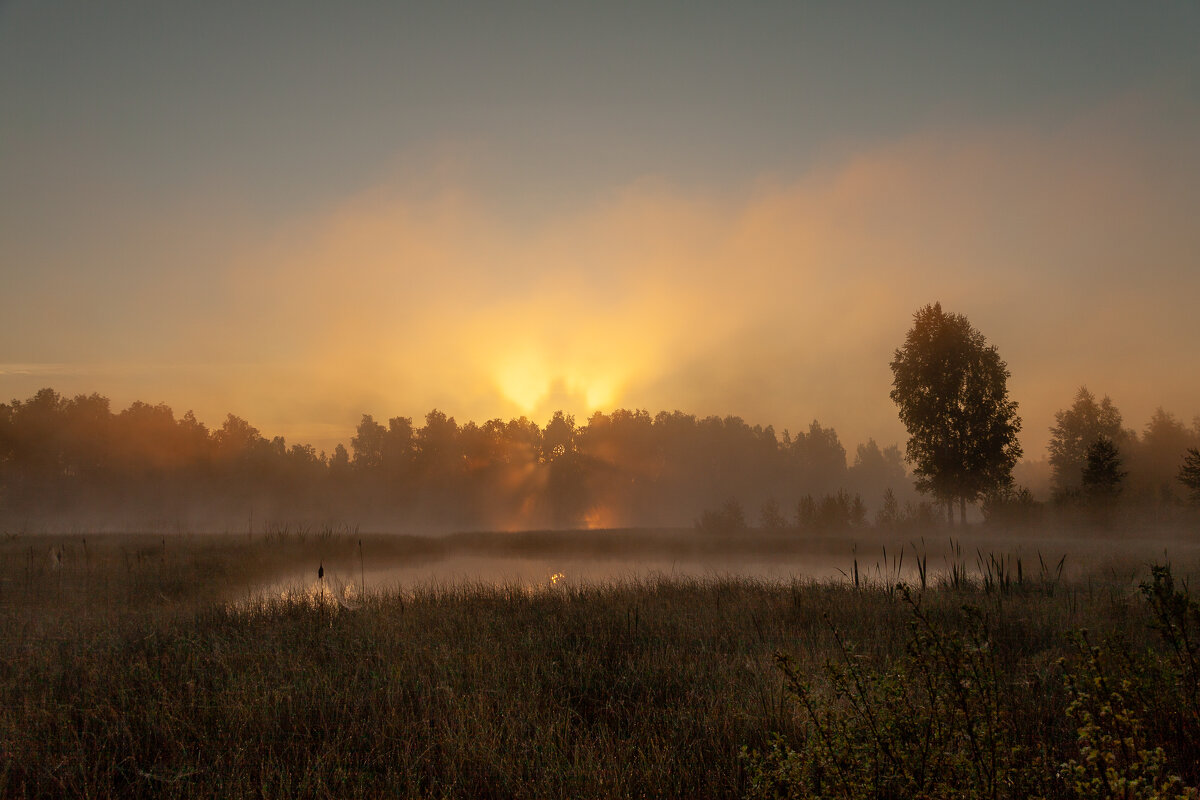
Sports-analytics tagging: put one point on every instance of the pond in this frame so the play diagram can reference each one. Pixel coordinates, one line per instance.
(543, 560)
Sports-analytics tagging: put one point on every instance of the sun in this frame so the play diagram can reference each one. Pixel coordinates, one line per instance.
(598, 391)
(536, 385)
(523, 379)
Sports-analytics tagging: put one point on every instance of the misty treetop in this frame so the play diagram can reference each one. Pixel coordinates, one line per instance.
(1189, 473)
(73, 461)
(1075, 430)
(1089, 447)
(951, 389)
(1102, 472)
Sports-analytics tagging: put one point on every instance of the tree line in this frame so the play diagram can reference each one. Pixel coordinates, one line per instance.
(1094, 458)
(74, 461)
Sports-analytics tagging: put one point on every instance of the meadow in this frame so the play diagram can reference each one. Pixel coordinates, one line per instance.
(144, 665)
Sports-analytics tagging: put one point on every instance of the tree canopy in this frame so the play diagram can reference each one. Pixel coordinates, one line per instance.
(951, 388)
(1189, 472)
(63, 460)
(1102, 473)
(1075, 430)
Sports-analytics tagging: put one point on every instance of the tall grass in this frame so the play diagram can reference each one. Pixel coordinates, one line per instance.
(133, 669)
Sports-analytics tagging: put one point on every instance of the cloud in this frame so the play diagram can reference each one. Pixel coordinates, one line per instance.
(1072, 249)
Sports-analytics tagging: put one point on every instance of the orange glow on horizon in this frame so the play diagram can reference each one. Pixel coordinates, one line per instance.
(600, 517)
(533, 383)
(523, 379)
(779, 302)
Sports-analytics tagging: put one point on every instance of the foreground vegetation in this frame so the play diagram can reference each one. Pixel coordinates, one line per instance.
(130, 667)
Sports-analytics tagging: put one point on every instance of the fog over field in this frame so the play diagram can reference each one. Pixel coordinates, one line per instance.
(542, 400)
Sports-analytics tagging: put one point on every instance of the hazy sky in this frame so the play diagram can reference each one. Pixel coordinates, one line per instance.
(300, 212)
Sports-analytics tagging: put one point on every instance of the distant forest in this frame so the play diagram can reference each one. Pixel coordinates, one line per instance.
(73, 463)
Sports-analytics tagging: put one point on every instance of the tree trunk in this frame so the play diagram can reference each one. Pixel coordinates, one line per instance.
(962, 510)
(950, 512)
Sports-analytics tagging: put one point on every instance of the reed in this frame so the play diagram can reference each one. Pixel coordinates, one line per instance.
(154, 672)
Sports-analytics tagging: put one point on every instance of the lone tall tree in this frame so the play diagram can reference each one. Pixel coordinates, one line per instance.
(952, 391)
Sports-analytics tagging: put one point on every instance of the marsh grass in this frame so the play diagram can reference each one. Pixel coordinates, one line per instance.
(137, 666)
(978, 705)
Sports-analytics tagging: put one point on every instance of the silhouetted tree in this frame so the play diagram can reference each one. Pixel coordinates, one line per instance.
(566, 489)
(876, 471)
(831, 512)
(1189, 472)
(7, 467)
(91, 435)
(625, 460)
(339, 463)
(399, 447)
(952, 391)
(840, 511)
(920, 516)
(820, 458)
(558, 437)
(729, 518)
(1010, 504)
(771, 518)
(806, 512)
(194, 442)
(439, 455)
(1102, 473)
(482, 445)
(304, 466)
(236, 440)
(37, 441)
(858, 511)
(522, 442)
(368, 442)
(1154, 462)
(1075, 430)
(889, 511)
(65, 460)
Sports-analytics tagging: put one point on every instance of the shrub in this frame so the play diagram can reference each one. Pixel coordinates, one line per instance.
(961, 714)
(729, 518)
(937, 723)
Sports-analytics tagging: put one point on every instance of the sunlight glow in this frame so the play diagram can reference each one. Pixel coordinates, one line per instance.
(598, 392)
(531, 382)
(600, 517)
(523, 379)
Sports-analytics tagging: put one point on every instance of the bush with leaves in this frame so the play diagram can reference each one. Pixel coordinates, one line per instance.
(1116, 756)
(1172, 699)
(1010, 504)
(832, 512)
(959, 716)
(939, 723)
(729, 518)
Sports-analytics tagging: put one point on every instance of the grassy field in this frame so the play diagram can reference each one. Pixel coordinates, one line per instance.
(148, 666)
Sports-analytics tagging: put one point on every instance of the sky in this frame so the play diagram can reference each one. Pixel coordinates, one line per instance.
(303, 212)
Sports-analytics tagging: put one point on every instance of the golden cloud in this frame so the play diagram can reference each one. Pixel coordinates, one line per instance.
(1071, 250)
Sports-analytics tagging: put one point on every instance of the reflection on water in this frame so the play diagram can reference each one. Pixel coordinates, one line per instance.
(548, 561)
(328, 595)
(552, 570)
(539, 573)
